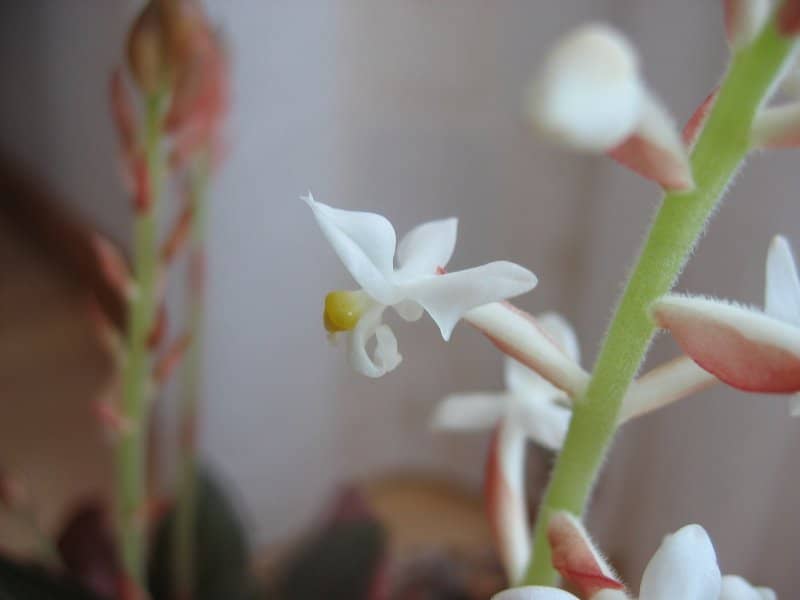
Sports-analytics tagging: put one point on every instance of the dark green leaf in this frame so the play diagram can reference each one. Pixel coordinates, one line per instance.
(221, 566)
(28, 582)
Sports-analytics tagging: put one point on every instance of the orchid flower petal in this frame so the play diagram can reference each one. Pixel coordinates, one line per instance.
(409, 310)
(576, 558)
(534, 592)
(744, 19)
(543, 421)
(562, 333)
(589, 94)
(427, 247)
(664, 385)
(520, 379)
(777, 127)
(519, 335)
(743, 347)
(504, 489)
(738, 588)
(655, 149)
(385, 357)
(447, 297)
(684, 566)
(467, 412)
(365, 242)
(782, 290)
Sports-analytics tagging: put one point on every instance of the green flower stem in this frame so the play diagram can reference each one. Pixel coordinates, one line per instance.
(718, 153)
(187, 476)
(131, 492)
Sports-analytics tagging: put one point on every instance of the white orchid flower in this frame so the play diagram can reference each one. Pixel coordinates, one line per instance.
(746, 348)
(590, 96)
(684, 567)
(530, 408)
(366, 244)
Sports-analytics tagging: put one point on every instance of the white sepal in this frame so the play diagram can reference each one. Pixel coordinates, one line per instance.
(685, 567)
(588, 95)
(782, 287)
(469, 412)
(738, 588)
(427, 247)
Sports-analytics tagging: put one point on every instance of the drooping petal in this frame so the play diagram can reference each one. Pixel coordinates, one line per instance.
(447, 297)
(562, 333)
(782, 289)
(777, 127)
(385, 356)
(365, 242)
(426, 248)
(518, 334)
(576, 558)
(744, 19)
(589, 95)
(743, 347)
(467, 412)
(738, 588)
(664, 385)
(504, 489)
(534, 592)
(684, 566)
(655, 150)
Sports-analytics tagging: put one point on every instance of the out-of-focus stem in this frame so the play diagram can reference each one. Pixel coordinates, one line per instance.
(184, 540)
(131, 492)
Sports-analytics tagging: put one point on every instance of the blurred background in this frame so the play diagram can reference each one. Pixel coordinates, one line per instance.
(414, 110)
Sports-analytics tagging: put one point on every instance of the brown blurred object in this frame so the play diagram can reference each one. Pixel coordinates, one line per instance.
(52, 366)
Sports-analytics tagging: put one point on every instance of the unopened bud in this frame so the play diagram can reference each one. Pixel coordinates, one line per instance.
(113, 265)
(148, 50)
(179, 234)
(171, 359)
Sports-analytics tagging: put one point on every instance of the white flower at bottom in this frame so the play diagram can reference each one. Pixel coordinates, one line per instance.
(366, 244)
(684, 567)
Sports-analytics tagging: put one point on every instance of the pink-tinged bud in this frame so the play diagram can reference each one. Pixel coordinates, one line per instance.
(176, 240)
(107, 332)
(159, 328)
(743, 347)
(744, 19)
(697, 121)
(789, 18)
(167, 364)
(113, 265)
(123, 113)
(112, 419)
(577, 560)
(504, 491)
(148, 50)
(655, 150)
(777, 127)
(142, 191)
(588, 95)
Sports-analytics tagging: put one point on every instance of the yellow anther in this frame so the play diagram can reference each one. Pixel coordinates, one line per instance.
(343, 310)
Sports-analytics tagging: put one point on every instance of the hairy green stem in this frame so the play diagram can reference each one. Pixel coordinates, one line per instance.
(680, 221)
(131, 492)
(184, 545)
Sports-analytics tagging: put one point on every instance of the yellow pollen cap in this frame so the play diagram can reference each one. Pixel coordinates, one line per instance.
(343, 309)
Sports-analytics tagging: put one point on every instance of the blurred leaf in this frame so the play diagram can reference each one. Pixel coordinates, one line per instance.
(28, 582)
(86, 546)
(343, 562)
(222, 569)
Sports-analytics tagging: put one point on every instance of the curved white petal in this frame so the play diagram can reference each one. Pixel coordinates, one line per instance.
(365, 242)
(385, 356)
(562, 333)
(588, 94)
(409, 310)
(542, 420)
(468, 412)
(744, 19)
(427, 248)
(505, 499)
(520, 379)
(685, 567)
(738, 588)
(534, 592)
(447, 297)
(743, 347)
(782, 293)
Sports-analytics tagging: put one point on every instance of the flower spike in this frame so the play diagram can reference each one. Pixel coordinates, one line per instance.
(743, 20)
(590, 96)
(366, 243)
